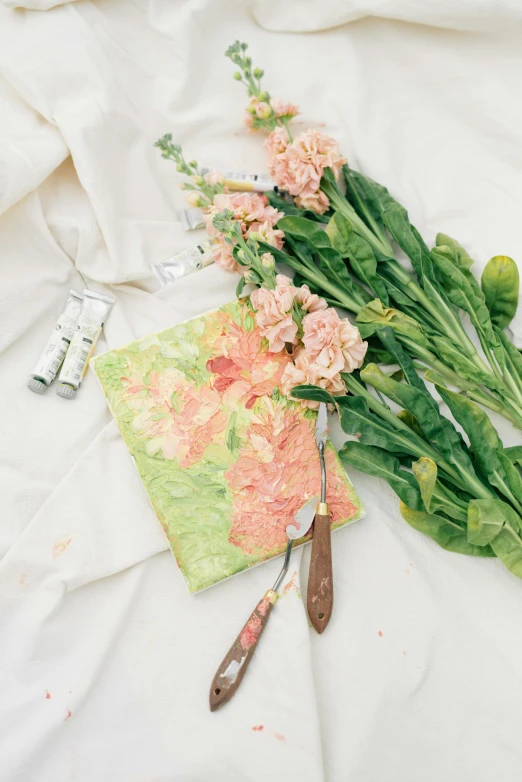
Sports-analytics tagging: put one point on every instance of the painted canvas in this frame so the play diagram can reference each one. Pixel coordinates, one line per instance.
(226, 460)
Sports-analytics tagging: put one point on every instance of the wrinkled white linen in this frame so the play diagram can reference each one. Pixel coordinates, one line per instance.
(106, 659)
(309, 16)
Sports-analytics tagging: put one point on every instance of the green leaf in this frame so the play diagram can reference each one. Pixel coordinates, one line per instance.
(313, 393)
(437, 430)
(500, 283)
(463, 366)
(425, 471)
(460, 256)
(486, 519)
(359, 253)
(239, 288)
(513, 479)
(305, 230)
(289, 208)
(446, 533)
(380, 464)
(463, 291)
(363, 205)
(508, 548)
(513, 357)
(514, 454)
(410, 421)
(389, 341)
(375, 315)
(486, 445)
(390, 213)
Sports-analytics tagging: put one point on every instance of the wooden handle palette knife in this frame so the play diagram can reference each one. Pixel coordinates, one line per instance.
(320, 595)
(234, 665)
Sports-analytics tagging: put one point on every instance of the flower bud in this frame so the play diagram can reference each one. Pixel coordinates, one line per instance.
(268, 261)
(251, 276)
(263, 95)
(193, 164)
(180, 167)
(258, 73)
(237, 76)
(194, 199)
(263, 110)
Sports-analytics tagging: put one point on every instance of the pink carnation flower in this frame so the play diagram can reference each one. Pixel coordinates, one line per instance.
(317, 202)
(332, 345)
(274, 313)
(252, 213)
(266, 233)
(276, 143)
(284, 108)
(299, 166)
(303, 371)
(310, 302)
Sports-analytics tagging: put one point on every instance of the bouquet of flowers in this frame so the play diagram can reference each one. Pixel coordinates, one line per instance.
(341, 232)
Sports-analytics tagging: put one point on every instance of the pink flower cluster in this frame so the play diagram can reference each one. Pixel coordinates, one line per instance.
(298, 166)
(253, 213)
(329, 344)
(274, 310)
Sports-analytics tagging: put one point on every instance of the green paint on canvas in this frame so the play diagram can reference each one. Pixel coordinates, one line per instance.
(225, 458)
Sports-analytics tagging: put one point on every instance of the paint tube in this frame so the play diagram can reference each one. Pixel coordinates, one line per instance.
(184, 263)
(54, 352)
(94, 313)
(238, 181)
(191, 219)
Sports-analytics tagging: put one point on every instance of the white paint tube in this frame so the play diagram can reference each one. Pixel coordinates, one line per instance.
(235, 180)
(191, 219)
(54, 352)
(94, 313)
(183, 263)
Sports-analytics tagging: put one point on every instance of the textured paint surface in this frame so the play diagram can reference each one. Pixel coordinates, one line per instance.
(226, 459)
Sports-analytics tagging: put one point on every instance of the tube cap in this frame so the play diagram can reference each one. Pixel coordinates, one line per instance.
(67, 392)
(38, 386)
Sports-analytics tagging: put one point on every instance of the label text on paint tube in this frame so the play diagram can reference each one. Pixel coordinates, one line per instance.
(183, 263)
(94, 312)
(54, 352)
(235, 180)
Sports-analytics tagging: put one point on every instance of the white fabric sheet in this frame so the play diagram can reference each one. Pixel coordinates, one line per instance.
(106, 660)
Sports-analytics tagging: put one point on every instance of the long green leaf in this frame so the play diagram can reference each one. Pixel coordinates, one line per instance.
(446, 533)
(500, 282)
(439, 432)
(463, 291)
(380, 464)
(388, 339)
(513, 356)
(305, 230)
(485, 442)
(357, 420)
(459, 254)
(514, 454)
(359, 253)
(463, 366)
